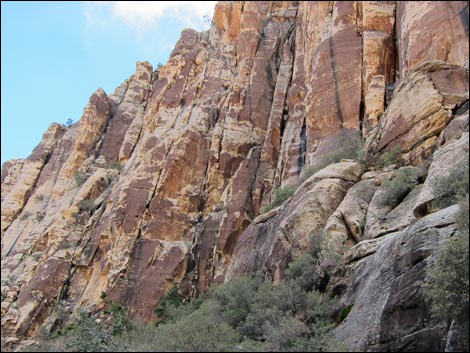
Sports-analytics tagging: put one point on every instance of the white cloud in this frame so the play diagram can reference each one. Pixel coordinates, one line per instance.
(142, 15)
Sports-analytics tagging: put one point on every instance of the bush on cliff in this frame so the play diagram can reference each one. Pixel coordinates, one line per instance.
(281, 195)
(448, 286)
(245, 314)
(395, 190)
(453, 187)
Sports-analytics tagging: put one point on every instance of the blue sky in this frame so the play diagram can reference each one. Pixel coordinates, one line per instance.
(54, 55)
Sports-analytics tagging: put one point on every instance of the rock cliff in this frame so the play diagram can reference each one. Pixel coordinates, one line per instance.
(164, 181)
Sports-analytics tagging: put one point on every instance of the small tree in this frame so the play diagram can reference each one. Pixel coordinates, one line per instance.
(172, 298)
(281, 195)
(453, 187)
(395, 190)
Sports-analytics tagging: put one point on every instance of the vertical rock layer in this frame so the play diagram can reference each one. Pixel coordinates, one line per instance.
(162, 181)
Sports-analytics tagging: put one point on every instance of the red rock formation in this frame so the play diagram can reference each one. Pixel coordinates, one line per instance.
(204, 141)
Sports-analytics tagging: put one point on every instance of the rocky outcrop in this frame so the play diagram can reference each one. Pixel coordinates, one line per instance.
(445, 160)
(382, 285)
(427, 32)
(421, 108)
(269, 244)
(164, 181)
(25, 176)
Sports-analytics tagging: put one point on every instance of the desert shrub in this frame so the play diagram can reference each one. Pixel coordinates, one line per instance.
(448, 290)
(25, 215)
(453, 187)
(86, 205)
(281, 195)
(244, 314)
(40, 216)
(351, 147)
(40, 197)
(118, 319)
(463, 217)
(395, 190)
(235, 298)
(89, 335)
(300, 271)
(171, 299)
(204, 330)
(345, 312)
(65, 245)
(115, 165)
(389, 157)
(80, 177)
(315, 243)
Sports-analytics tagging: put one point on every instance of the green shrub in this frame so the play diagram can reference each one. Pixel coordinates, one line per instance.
(172, 298)
(345, 312)
(40, 197)
(65, 245)
(40, 216)
(351, 147)
(244, 314)
(315, 243)
(235, 298)
(300, 271)
(281, 195)
(88, 334)
(86, 205)
(80, 177)
(115, 165)
(204, 330)
(395, 190)
(25, 215)
(389, 157)
(463, 218)
(453, 187)
(448, 289)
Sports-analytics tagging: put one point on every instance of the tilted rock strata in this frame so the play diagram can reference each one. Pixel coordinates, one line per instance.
(389, 311)
(163, 181)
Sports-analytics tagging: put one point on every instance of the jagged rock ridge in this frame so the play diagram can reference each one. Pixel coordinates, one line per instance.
(162, 181)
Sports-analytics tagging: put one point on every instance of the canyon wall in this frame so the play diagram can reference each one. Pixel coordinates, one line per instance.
(164, 181)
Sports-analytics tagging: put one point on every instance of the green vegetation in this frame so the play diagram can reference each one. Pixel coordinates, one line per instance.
(282, 194)
(40, 197)
(245, 314)
(448, 286)
(452, 188)
(86, 205)
(345, 312)
(25, 215)
(40, 216)
(389, 157)
(172, 298)
(65, 245)
(351, 147)
(80, 177)
(91, 334)
(115, 165)
(395, 190)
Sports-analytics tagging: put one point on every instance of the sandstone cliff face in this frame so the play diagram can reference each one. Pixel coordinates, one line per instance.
(163, 181)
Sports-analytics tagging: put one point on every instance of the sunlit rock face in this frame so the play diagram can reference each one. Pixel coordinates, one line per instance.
(164, 181)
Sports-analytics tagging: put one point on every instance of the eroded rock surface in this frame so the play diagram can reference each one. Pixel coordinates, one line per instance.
(164, 180)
